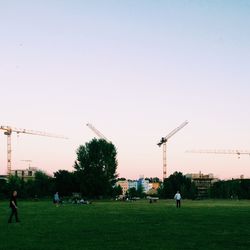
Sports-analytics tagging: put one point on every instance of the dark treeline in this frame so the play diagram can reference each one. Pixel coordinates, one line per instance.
(236, 189)
(66, 183)
(44, 186)
(230, 189)
(94, 176)
(178, 182)
(41, 186)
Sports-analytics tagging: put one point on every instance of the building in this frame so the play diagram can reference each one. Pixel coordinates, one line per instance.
(153, 188)
(203, 182)
(155, 185)
(132, 184)
(124, 185)
(25, 174)
(144, 184)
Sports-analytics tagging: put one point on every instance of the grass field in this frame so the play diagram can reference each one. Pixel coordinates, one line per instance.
(127, 225)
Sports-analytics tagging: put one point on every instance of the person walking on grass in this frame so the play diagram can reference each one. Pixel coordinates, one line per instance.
(177, 197)
(13, 206)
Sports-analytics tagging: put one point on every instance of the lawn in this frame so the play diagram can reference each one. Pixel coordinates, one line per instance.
(127, 225)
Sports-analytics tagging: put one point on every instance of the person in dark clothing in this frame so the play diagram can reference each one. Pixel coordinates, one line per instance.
(13, 206)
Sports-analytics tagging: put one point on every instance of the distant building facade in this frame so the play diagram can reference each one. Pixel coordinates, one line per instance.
(132, 184)
(153, 188)
(145, 184)
(25, 174)
(124, 185)
(203, 182)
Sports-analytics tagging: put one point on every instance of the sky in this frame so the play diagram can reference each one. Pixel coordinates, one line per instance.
(135, 70)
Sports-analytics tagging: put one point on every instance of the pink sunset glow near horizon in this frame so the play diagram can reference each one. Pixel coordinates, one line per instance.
(135, 70)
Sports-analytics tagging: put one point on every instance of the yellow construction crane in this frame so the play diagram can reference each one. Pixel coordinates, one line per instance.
(164, 143)
(9, 130)
(234, 152)
(97, 132)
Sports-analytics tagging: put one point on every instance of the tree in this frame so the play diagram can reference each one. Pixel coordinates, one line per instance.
(65, 182)
(3, 188)
(14, 184)
(132, 192)
(121, 179)
(231, 189)
(177, 181)
(29, 190)
(153, 179)
(43, 184)
(96, 168)
(117, 190)
(140, 191)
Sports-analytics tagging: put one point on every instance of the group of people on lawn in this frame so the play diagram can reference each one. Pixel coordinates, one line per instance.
(57, 201)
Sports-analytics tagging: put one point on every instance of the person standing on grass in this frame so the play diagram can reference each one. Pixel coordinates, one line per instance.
(13, 206)
(177, 197)
(56, 199)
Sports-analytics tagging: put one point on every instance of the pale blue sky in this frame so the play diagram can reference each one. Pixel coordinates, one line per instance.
(135, 70)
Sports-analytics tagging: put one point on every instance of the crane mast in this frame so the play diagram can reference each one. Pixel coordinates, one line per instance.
(9, 130)
(163, 142)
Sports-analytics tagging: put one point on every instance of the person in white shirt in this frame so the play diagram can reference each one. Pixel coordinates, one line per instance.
(177, 197)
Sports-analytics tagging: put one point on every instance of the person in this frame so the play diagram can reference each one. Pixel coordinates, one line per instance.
(56, 199)
(13, 206)
(177, 197)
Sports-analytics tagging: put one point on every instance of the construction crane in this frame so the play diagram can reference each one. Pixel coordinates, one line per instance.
(163, 142)
(9, 130)
(97, 132)
(234, 152)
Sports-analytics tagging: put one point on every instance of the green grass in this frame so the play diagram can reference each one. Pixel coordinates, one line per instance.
(127, 225)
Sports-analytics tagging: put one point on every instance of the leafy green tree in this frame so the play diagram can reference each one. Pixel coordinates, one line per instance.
(153, 180)
(132, 192)
(121, 179)
(117, 190)
(3, 188)
(96, 168)
(177, 181)
(65, 182)
(244, 189)
(231, 189)
(43, 185)
(14, 183)
(29, 189)
(140, 191)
